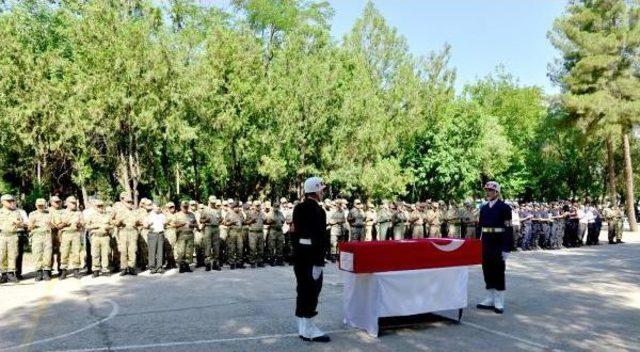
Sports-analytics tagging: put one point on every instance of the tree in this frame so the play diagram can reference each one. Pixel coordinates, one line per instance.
(600, 45)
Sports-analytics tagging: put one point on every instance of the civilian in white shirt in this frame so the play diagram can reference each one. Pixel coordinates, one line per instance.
(583, 220)
(156, 222)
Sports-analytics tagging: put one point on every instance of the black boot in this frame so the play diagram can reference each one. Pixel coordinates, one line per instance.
(187, 268)
(3, 278)
(132, 271)
(63, 274)
(216, 267)
(76, 273)
(279, 262)
(232, 266)
(260, 265)
(47, 275)
(96, 273)
(12, 277)
(253, 266)
(207, 267)
(611, 242)
(619, 241)
(160, 270)
(181, 270)
(124, 272)
(39, 275)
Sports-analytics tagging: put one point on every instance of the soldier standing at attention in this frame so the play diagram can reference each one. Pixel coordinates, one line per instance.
(336, 222)
(143, 240)
(310, 247)
(274, 218)
(495, 223)
(170, 236)
(433, 220)
(370, 220)
(10, 222)
(399, 221)
(184, 221)
(99, 225)
(55, 204)
(41, 242)
(23, 241)
(233, 221)
(198, 240)
(127, 221)
(254, 223)
(416, 220)
(384, 221)
(70, 223)
(210, 220)
(356, 221)
(452, 217)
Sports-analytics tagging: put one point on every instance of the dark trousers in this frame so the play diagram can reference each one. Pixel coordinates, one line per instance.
(87, 251)
(156, 245)
(493, 268)
(308, 291)
(593, 232)
(23, 241)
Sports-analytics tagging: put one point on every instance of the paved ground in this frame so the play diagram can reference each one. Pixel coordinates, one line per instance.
(585, 299)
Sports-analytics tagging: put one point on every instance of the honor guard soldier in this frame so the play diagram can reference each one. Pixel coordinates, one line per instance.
(310, 247)
(496, 236)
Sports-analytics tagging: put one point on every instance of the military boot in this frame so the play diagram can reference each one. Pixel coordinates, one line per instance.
(3, 278)
(132, 271)
(96, 273)
(47, 275)
(207, 267)
(187, 268)
(76, 273)
(39, 275)
(63, 274)
(124, 272)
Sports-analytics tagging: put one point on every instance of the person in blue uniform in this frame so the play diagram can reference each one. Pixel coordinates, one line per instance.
(310, 247)
(497, 234)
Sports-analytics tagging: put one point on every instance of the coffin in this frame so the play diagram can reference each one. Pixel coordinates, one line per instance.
(383, 256)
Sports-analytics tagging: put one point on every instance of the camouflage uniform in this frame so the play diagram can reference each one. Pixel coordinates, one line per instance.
(99, 225)
(416, 219)
(356, 221)
(433, 219)
(70, 223)
(452, 218)
(399, 220)
(128, 221)
(233, 221)
(370, 220)
(210, 220)
(170, 237)
(10, 222)
(384, 222)
(255, 231)
(274, 219)
(184, 221)
(41, 241)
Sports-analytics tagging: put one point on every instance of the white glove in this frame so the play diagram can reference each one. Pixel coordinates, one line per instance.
(505, 255)
(316, 272)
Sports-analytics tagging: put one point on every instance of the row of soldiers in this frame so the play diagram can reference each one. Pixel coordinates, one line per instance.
(121, 237)
(564, 224)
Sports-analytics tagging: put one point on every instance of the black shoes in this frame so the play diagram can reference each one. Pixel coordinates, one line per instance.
(46, 275)
(3, 278)
(124, 272)
(132, 271)
(323, 339)
(184, 268)
(39, 275)
(216, 267)
(63, 274)
(253, 266)
(619, 241)
(96, 273)
(207, 267)
(76, 273)
(260, 265)
(482, 306)
(11, 277)
(498, 310)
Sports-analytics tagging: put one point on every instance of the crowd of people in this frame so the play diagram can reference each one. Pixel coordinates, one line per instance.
(105, 238)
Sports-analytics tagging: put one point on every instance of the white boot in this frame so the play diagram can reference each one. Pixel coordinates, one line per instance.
(499, 302)
(489, 301)
(301, 327)
(314, 333)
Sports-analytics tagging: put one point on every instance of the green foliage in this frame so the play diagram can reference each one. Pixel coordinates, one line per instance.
(171, 99)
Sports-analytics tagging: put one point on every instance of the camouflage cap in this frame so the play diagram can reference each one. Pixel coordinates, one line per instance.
(193, 202)
(256, 203)
(212, 199)
(7, 198)
(218, 202)
(184, 203)
(283, 200)
(71, 199)
(98, 203)
(267, 204)
(54, 199)
(124, 195)
(170, 205)
(41, 201)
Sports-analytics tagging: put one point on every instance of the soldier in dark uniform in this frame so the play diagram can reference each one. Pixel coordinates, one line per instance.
(497, 236)
(310, 245)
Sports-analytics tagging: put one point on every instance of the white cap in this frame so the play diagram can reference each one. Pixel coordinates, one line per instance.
(493, 185)
(313, 185)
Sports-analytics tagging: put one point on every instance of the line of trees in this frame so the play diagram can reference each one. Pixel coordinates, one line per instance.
(173, 99)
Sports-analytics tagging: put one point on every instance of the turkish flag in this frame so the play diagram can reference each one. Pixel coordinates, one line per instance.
(381, 256)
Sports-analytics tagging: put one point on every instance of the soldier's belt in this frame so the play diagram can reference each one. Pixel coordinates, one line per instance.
(99, 233)
(493, 229)
(69, 231)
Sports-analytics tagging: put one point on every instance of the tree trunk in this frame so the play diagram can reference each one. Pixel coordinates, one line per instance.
(196, 174)
(85, 196)
(177, 179)
(611, 170)
(628, 178)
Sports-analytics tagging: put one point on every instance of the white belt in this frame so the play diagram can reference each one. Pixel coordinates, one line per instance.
(305, 241)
